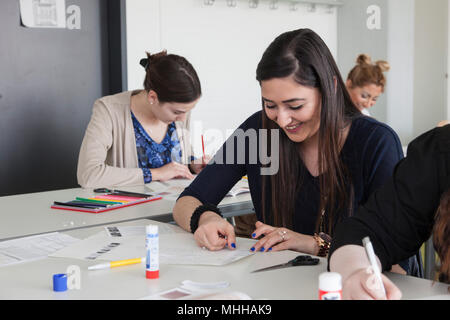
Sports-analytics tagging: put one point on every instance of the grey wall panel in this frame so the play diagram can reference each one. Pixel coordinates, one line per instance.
(354, 38)
(49, 79)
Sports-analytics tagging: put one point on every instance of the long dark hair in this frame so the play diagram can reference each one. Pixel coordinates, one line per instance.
(172, 77)
(304, 55)
(441, 236)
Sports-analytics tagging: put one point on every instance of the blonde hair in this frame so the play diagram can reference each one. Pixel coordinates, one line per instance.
(365, 72)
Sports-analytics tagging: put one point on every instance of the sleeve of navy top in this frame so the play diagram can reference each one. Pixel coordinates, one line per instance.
(221, 174)
(382, 152)
(399, 217)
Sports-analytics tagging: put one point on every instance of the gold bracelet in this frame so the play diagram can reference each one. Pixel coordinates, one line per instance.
(323, 242)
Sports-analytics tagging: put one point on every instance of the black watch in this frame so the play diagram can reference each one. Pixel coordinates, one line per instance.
(199, 211)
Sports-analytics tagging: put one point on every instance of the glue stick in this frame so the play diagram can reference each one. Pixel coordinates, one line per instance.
(330, 286)
(152, 252)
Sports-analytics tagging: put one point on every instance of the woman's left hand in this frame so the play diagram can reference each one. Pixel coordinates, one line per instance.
(279, 239)
(198, 164)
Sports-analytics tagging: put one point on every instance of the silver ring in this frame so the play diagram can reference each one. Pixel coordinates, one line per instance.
(203, 248)
(282, 234)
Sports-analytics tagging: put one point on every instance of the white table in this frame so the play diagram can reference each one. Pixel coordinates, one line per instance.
(33, 280)
(30, 214)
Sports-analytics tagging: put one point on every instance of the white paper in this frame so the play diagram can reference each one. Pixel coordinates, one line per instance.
(43, 13)
(170, 189)
(240, 187)
(33, 248)
(182, 249)
(132, 231)
(104, 248)
(174, 248)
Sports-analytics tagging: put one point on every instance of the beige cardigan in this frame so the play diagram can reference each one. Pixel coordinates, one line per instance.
(108, 155)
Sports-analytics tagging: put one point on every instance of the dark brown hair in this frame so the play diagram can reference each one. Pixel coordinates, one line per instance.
(172, 77)
(366, 73)
(441, 236)
(304, 55)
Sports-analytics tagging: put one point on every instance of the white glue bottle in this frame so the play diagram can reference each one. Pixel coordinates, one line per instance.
(330, 286)
(152, 252)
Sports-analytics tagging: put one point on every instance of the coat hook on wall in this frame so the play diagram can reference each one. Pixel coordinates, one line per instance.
(232, 3)
(293, 6)
(273, 5)
(329, 9)
(311, 7)
(208, 2)
(253, 4)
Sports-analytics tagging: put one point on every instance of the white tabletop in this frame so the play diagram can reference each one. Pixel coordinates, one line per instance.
(30, 214)
(33, 280)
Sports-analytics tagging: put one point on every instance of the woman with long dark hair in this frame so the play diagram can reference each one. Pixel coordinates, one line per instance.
(329, 157)
(399, 218)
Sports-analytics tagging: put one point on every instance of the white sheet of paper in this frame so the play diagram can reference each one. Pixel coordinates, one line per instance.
(43, 13)
(170, 189)
(132, 231)
(182, 249)
(33, 248)
(104, 248)
(174, 248)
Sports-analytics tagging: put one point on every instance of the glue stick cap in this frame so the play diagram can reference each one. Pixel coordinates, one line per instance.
(60, 282)
(330, 281)
(151, 229)
(152, 274)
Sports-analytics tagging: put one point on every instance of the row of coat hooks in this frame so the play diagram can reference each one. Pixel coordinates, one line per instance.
(293, 4)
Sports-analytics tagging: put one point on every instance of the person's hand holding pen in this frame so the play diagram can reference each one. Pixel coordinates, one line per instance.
(363, 285)
(171, 170)
(198, 165)
(214, 233)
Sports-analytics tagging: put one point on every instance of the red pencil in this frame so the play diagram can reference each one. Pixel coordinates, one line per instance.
(203, 147)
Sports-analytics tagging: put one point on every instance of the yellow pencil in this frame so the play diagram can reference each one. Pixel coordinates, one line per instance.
(114, 264)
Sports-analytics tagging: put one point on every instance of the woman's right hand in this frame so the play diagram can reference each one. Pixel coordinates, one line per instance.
(363, 285)
(214, 232)
(171, 170)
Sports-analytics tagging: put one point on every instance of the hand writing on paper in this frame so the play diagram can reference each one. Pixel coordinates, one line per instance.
(279, 239)
(171, 170)
(363, 285)
(214, 233)
(199, 164)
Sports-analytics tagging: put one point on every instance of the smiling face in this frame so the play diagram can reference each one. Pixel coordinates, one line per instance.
(294, 107)
(366, 96)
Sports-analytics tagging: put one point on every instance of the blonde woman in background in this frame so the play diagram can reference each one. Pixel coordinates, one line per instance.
(366, 82)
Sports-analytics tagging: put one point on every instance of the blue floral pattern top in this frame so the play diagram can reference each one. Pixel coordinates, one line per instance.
(155, 155)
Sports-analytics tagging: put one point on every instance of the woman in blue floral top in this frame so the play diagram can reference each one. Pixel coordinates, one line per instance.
(136, 137)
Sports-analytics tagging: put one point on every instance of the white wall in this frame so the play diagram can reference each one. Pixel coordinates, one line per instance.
(224, 45)
(400, 79)
(430, 84)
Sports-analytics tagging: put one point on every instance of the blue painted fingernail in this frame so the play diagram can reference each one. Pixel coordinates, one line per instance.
(270, 249)
(262, 249)
(252, 249)
(254, 235)
(233, 245)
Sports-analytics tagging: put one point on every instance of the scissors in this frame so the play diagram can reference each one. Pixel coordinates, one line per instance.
(298, 261)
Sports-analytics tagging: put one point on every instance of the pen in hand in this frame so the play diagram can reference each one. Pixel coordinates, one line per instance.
(373, 262)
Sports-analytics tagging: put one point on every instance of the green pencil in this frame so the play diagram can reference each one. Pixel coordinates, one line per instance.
(98, 201)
